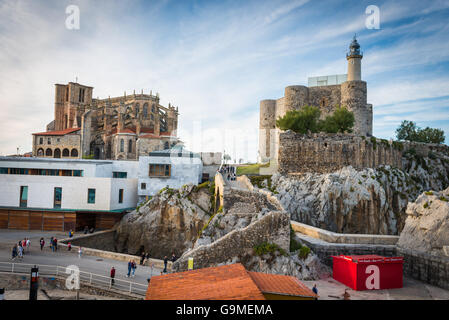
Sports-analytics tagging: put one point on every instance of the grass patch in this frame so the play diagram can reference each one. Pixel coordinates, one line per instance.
(428, 193)
(443, 198)
(251, 169)
(304, 252)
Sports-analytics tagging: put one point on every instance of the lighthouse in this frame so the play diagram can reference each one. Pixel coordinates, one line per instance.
(354, 57)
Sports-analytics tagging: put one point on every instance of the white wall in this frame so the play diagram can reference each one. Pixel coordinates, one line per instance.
(184, 170)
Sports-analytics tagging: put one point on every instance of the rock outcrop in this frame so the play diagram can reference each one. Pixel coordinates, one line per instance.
(427, 225)
(170, 221)
(371, 201)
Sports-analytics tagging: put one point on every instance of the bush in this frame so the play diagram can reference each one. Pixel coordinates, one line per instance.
(294, 245)
(340, 121)
(301, 121)
(408, 130)
(268, 248)
(304, 252)
(428, 193)
(443, 198)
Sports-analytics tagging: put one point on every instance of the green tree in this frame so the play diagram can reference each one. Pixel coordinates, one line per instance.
(408, 130)
(301, 121)
(431, 135)
(342, 120)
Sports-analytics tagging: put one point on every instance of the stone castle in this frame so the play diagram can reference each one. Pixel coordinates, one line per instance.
(351, 94)
(119, 128)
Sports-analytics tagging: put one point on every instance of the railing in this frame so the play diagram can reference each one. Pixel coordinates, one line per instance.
(95, 280)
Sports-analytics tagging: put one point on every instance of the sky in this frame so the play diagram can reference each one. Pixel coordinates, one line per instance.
(216, 60)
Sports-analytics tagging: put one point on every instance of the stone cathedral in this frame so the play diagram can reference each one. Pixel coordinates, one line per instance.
(351, 93)
(119, 128)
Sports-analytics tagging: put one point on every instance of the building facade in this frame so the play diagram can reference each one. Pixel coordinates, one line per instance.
(119, 128)
(351, 93)
(171, 168)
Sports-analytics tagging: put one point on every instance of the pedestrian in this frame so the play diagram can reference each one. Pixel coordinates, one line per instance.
(42, 243)
(20, 252)
(130, 265)
(28, 242)
(173, 257)
(133, 268)
(165, 264)
(14, 252)
(56, 244)
(69, 246)
(142, 258)
(314, 289)
(112, 275)
(147, 258)
(70, 233)
(80, 252)
(51, 244)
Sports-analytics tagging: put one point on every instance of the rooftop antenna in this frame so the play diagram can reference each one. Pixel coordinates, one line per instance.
(76, 79)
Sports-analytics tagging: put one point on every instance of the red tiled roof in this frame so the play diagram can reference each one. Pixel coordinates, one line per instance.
(230, 282)
(57, 133)
(280, 284)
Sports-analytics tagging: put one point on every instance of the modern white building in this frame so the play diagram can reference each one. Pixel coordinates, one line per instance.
(171, 168)
(92, 185)
(64, 194)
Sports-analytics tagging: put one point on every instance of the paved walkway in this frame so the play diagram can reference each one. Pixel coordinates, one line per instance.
(65, 258)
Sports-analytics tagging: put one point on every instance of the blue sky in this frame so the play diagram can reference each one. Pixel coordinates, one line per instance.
(216, 60)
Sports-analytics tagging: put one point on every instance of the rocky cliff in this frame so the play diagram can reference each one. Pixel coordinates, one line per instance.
(170, 221)
(427, 226)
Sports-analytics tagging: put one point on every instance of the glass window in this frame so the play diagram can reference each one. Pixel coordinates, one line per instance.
(119, 174)
(91, 196)
(3, 170)
(41, 140)
(120, 196)
(130, 146)
(57, 198)
(23, 196)
(143, 186)
(77, 173)
(122, 145)
(159, 170)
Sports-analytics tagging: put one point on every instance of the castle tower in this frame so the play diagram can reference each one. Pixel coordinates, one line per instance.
(354, 57)
(267, 126)
(354, 92)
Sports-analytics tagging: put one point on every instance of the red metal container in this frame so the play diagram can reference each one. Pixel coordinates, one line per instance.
(368, 272)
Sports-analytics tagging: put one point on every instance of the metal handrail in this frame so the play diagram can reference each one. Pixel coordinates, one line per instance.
(92, 278)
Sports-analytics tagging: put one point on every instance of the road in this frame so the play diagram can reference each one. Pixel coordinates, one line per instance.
(65, 258)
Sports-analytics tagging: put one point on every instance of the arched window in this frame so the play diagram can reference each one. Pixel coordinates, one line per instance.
(136, 109)
(40, 152)
(122, 145)
(48, 152)
(65, 153)
(145, 110)
(152, 109)
(130, 146)
(74, 153)
(57, 153)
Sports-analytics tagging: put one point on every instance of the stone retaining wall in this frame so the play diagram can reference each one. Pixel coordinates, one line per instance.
(324, 153)
(272, 228)
(88, 242)
(425, 267)
(347, 238)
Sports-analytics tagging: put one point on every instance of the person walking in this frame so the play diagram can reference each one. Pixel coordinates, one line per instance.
(51, 244)
(142, 258)
(69, 246)
(130, 265)
(314, 289)
(14, 252)
(112, 275)
(20, 252)
(28, 243)
(165, 264)
(55, 244)
(173, 257)
(80, 252)
(133, 268)
(42, 243)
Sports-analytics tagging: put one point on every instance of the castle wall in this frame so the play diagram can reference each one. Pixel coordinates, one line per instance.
(324, 153)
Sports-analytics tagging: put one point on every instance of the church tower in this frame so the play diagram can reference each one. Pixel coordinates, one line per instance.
(354, 57)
